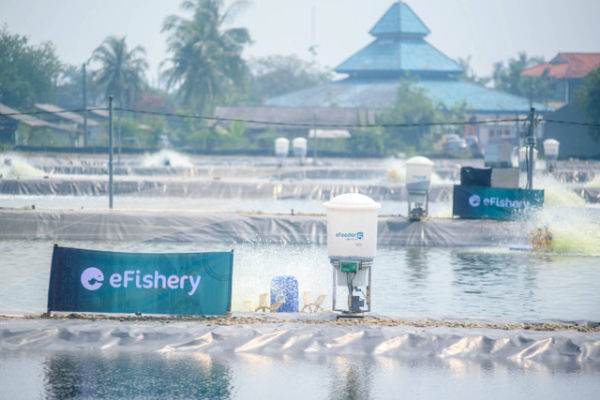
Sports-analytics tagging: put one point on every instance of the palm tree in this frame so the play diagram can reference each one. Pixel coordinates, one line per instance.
(205, 59)
(122, 71)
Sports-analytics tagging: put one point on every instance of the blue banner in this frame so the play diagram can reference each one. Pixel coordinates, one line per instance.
(113, 282)
(495, 203)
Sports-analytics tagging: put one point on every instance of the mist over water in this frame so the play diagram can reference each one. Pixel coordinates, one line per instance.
(13, 166)
(167, 158)
(574, 224)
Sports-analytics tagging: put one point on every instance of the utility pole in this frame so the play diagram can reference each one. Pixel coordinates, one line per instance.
(110, 152)
(315, 138)
(530, 143)
(85, 116)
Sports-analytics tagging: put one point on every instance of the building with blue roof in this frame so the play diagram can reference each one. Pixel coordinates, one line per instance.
(399, 49)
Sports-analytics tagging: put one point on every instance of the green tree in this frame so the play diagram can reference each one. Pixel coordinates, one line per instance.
(509, 79)
(277, 74)
(412, 107)
(69, 88)
(27, 73)
(587, 99)
(122, 71)
(205, 59)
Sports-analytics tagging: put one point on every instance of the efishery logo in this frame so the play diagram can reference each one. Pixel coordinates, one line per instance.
(92, 278)
(475, 201)
(350, 235)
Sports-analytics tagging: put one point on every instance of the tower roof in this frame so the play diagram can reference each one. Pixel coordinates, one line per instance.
(400, 19)
(399, 48)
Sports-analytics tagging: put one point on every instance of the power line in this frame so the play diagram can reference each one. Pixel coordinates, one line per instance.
(323, 125)
(304, 124)
(553, 121)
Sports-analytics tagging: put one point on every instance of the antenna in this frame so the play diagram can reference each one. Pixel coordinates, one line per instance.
(313, 46)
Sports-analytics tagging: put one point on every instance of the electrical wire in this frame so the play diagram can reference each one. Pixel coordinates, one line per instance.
(305, 124)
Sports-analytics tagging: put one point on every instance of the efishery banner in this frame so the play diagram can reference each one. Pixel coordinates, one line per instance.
(115, 282)
(495, 203)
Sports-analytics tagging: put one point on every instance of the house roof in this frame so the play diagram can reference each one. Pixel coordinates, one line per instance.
(382, 93)
(398, 56)
(400, 19)
(567, 66)
(28, 120)
(294, 115)
(64, 114)
(399, 48)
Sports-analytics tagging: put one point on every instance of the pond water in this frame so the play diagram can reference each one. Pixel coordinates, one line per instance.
(150, 376)
(490, 283)
(416, 282)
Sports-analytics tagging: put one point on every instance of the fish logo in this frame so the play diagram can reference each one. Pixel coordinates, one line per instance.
(92, 278)
(475, 200)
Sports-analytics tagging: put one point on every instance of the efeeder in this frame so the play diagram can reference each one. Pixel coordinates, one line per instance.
(418, 181)
(351, 245)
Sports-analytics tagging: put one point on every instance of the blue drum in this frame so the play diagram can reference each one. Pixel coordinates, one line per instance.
(285, 288)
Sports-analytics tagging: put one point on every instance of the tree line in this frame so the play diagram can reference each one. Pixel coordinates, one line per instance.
(204, 68)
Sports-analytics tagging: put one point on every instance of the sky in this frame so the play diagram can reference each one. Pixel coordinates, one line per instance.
(486, 30)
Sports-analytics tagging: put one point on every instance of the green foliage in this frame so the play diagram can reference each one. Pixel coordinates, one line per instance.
(412, 107)
(508, 78)
(205, 60)
(265, 140)
(27, 73)
(367, 141)
(277, 74)
(121, 74)
(233, 137)
(69, 88)
(587, 99)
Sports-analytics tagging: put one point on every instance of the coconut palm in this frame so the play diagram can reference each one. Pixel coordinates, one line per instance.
(205, 59)
(122, 71)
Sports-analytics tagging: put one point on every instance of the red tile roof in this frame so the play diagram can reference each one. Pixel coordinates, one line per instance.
(567, 66)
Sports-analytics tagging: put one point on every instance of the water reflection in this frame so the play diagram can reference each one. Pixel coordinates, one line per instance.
(83, 376)
(417, 265)
(351, 378)
(506, 280)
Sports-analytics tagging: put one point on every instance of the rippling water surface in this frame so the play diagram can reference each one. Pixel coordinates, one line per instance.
(407, 282)
(150, 376)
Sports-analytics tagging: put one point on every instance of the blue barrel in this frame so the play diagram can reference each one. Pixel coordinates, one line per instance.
(285, 288)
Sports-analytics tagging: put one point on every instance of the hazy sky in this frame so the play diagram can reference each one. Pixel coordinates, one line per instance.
(487, 30)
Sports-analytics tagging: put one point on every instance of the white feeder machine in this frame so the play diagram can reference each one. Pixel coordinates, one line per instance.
(351, 245)
(299, 146)
(418, 181)
(282, 148)
(551, 147)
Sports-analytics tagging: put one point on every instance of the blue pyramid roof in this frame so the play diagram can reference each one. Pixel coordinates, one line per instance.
(386, 57)
(382, 93)
(400, 19)
(399, 48)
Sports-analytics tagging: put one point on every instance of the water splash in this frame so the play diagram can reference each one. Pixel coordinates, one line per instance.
(594, 183)
(167, 158)
(557, 193)
(574, 223)
(13, 166)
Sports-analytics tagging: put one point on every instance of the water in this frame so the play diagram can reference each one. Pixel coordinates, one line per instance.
(151, 376)
(484, 283)
(491, 283)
